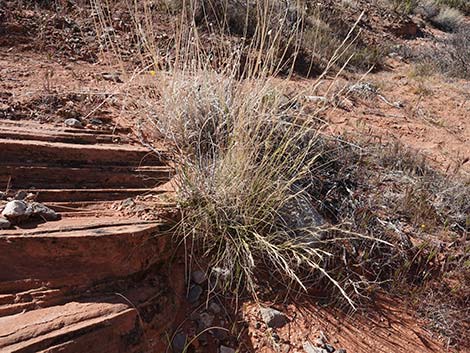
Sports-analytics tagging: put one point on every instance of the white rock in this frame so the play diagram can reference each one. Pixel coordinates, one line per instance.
(15, 209)
(310, 348)
(72, 122)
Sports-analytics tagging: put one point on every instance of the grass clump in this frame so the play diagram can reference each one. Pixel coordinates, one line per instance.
(450, 57)
(448, 19)
(247, 158)
(264, 196)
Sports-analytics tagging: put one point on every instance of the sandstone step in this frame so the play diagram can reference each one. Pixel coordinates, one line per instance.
(80, 251)
(39, 127)
(78, 137)
(64, 195)
(98, 325)
(24, 152)
(50, 177)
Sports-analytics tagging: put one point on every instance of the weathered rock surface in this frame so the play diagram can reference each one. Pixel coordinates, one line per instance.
(273, 318)
(56, 277)
(39, 210)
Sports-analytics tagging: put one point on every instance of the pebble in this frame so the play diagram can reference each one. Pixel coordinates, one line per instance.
(38, 209)
(224, 349)
(341, 350)
(194, 294)
(4, 223)
(273, 318)
(205, 321)
(179, 343)
(214, 307)
(198, 277)
(21, 195)
(112, 76)
(219, 334)
(72, 122)
(95, 121)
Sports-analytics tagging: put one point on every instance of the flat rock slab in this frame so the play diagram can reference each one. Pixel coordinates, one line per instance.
(81, 253)
(75, 324)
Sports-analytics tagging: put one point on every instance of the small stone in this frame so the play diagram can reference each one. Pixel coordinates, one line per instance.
(316, 99)
(310, 348)
(95, 121)
(329, 348)
(15, 210)
(4, 223)
(38, 209)
(224, 349)
(3, 195)
(341, 350)
(194, 294)
(179, 343)
(214, 307)
(198, 277)
(273, 318)
(75, 123)
(112, 76)
(205, 321)
(219, 333)
(21, 195)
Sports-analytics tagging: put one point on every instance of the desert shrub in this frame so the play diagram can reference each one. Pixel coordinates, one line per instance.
(248, 160)
(451, 56)
(462, 5)
(427, 9)
(403, 6)
(454, 58)
(263, 194)
(265, 197)
(448, 19)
